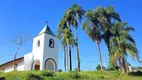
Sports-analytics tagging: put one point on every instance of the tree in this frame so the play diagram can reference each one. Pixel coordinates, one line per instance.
(64, 45)
(77, 13)
(109, 16)
(122, 44)
(98, 67)
(92, 28)
(68, 20)
(18, 41)
(66, 35)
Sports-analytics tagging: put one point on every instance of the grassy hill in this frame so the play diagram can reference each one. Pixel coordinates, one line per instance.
(49, 75)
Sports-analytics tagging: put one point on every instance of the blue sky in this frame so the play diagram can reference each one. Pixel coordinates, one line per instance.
(29, 18)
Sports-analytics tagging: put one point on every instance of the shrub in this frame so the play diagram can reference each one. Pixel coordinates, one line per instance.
(114, 68)
(33, 77)
(48, 73)
(102, 77)
(75, 74)
(2, 78)
(98, 67)
(60, 70)
(138, 73)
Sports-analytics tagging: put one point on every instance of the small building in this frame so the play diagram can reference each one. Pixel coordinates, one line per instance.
(44, 55)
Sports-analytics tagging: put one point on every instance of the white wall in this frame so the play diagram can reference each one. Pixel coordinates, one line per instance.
(20, 67)
(38, 51)
(50, 52)
(44, 52)
(28, 60)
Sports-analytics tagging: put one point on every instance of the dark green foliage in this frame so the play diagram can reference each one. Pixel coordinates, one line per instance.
(48, 73)
(2, 78)
(98, 67)
(74, 74)
(138, 73)
(114, 68)
(102, 77)
(60, 70)
(33, 77)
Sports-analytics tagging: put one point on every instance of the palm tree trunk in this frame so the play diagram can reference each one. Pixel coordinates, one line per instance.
(65, 59)
(99, 52)
(77, 50)
(120, 64)
(124, 66)
(70, 57)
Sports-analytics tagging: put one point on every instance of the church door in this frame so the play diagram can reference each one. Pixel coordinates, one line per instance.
(50, 65)
(36, 65)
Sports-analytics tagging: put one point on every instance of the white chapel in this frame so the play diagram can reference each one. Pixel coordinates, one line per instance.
(44, 55)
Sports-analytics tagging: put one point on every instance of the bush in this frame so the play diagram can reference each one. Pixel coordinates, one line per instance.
(33, 77)
(98, 67)
(114, 68)
(2, 78)
(48, 73)
(102, 77)
(138, 73)
(60, 70)
(74, 74)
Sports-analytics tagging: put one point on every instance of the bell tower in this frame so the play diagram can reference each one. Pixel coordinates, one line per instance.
(45, 50)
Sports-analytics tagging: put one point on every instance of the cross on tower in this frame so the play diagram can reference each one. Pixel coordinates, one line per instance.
(46, 22)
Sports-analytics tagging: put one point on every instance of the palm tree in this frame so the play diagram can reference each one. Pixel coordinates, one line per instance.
(61, 26)
(122, 44)
(68, 37)
(77, 13)
(65, 33)
(109, 17)
(64, 51)
(71, 16)
(92, 27)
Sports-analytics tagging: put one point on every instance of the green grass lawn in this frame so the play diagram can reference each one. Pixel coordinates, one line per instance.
(48, 75)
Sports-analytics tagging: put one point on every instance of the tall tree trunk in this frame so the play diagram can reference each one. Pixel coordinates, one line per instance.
(70, 57)
(77, 50)
(14, 62)
(99, 52)
(120, 64)
(124, 66)
(68, 50)
(65, 59)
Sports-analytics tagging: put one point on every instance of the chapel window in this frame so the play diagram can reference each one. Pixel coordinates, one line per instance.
(51, 43)
(38, 43)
